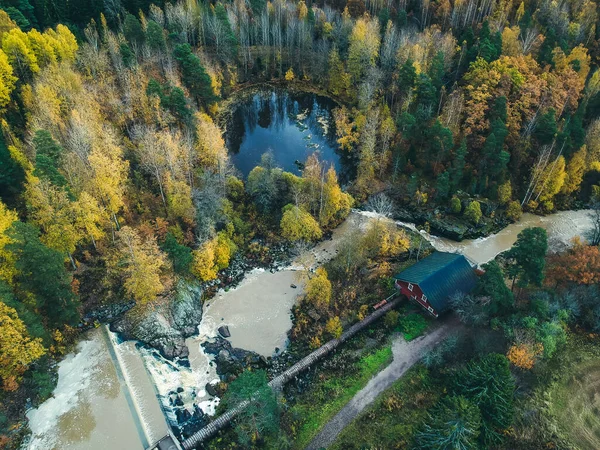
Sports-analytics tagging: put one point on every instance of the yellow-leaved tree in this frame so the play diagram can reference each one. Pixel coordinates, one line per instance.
(144, 266)
(210, 146)
(179, 200)
(334, 327)
(42, 48)
(575, 170)
(52, 211)
(318, 290)
(17, 349)
(203, 264)
(7, 79)
(213, 255)
(17, 47)
(297, 224)
(7, 261)
(109, 173)
(335, 204)
(64, 42)
(385, 239)
(551, 181)
(89, 217)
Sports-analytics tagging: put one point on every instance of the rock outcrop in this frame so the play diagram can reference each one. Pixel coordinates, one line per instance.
(232, 361)
(168, 325)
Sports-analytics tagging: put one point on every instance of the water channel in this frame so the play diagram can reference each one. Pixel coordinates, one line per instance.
(119, 395)
(106, 393)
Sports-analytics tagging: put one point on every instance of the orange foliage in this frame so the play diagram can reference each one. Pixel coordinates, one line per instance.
(580, 265)
(523, 355)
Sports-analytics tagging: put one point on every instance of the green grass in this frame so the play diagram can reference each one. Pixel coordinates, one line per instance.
(394, 417)
(413, 326)
(329, 396)
(575, 402)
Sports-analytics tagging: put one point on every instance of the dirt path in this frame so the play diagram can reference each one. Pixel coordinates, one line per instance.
(405, 355)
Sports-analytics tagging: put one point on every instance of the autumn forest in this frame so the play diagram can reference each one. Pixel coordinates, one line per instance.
(118, 191)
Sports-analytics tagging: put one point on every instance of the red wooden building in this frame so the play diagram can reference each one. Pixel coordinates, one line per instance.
(433, 280)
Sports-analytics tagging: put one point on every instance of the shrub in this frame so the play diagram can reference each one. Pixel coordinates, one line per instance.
(514, 211)
(412, 326)
(391, 319)
(473, 212)
(455, 205)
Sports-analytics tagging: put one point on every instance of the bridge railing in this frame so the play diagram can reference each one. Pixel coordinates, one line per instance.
(279, 381)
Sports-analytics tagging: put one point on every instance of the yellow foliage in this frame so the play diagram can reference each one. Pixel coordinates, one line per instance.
(334, 327)
(42, 48)
(17, 349)
(385, 239)
(504, 192)
(336, 204)
(203, 265)
(514, 211)
(511, 45)
(318, 290)
(64, 42)
(7, 80)
(212, 256)
(297, 224)
(109, 174)
(314, 343)
(179, 199)
(6, 23)
(16, 45)
(289, 75)
(575, 170)
(210, 146)
(552, 179)
(144, 264)
(7, 260)
(89, 217)
(51, 210)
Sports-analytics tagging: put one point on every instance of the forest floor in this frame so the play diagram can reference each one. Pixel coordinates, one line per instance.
(405, 355)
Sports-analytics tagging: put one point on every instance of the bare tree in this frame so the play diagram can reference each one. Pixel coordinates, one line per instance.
(381, 204)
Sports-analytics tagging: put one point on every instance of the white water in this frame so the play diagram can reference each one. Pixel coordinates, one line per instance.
(90, 409)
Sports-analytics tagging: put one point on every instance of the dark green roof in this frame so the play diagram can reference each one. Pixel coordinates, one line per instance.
(439, 276)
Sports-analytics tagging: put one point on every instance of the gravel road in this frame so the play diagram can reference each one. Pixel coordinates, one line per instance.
(405, 355)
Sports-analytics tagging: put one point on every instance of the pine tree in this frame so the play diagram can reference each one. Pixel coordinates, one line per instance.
(453, 424)
(194, 75)
(489, 384)
(41, 272)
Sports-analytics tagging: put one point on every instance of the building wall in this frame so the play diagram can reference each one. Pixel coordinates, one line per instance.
(414, 292)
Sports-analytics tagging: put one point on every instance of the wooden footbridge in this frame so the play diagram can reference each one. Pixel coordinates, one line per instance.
(278, 382)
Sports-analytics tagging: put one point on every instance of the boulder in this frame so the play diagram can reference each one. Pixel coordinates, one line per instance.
(224, 331)
(211, 390)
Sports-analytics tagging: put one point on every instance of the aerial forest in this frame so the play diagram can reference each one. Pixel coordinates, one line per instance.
(117, 188)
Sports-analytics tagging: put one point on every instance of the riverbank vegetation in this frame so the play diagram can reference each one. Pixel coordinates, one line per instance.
(116, 183)
(505, 378)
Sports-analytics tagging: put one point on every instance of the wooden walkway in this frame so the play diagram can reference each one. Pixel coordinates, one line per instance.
(278, 382)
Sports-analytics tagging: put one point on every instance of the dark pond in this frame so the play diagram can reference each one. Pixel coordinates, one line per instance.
(292, 126)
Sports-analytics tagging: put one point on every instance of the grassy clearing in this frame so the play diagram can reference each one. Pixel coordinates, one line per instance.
(393, 419)
(329, 395)
(575, 402)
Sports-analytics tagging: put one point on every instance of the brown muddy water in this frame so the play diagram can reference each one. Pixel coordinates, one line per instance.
(106, 394)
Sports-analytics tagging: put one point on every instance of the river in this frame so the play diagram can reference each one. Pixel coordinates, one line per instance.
(106, 394)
